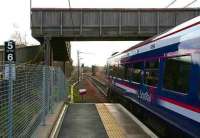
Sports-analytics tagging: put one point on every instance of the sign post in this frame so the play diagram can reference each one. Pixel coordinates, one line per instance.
(10, 75)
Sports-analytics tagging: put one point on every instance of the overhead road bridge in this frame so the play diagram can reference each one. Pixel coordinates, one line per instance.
(106, 24)
(54, 27)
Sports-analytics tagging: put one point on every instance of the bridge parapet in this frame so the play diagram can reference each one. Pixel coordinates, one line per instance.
(106, 24)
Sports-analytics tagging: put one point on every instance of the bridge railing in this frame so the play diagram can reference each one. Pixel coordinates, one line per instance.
(34, 94)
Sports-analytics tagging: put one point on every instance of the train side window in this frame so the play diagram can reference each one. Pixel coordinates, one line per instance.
(115, 70)
(121, 71)
(128, 72)
(110, 70)
(151, 73)
(176, 74)
(199, 91)
(137, 72)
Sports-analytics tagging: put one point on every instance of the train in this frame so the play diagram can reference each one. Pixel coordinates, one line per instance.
(162, 76)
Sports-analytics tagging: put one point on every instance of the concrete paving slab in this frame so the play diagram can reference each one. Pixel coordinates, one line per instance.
(43, 131)
(82, 121)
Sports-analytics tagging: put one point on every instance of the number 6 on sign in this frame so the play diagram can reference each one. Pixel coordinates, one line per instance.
(10, 57)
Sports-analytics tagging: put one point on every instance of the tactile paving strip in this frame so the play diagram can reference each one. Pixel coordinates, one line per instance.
(113, 129)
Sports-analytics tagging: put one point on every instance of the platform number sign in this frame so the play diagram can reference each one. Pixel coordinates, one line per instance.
(10, 55)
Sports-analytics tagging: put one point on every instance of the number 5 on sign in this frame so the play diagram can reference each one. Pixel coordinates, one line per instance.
(10, 45)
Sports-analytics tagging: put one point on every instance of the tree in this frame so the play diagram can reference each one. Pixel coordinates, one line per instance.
(16, 36)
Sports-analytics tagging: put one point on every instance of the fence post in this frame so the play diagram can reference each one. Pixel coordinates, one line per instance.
(47, 90)
(26, 88)
(63, 85)
(67, 89)
(51, 90)
(60, 85)
(43, 94)
(10, 103)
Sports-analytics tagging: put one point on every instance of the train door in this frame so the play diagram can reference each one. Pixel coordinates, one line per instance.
(196, 63)
(176, 78)
(138, 77)
(151, 78)
(175, 91)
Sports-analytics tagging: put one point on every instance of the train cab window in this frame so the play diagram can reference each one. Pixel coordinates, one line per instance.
(137, 72)
(176, 74)
(151, 73)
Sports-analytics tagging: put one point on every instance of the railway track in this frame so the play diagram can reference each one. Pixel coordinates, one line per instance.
(157, 125)
(139, 112)
(101, 87)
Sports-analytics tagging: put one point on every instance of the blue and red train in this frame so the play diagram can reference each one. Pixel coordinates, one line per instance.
(162, 75)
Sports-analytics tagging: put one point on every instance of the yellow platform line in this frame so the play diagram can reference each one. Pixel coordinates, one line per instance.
(72, 92)
(112, 128)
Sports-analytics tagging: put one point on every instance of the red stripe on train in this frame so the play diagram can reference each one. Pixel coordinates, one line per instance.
(189, 107)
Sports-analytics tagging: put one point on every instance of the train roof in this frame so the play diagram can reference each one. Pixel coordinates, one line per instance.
(170, 32)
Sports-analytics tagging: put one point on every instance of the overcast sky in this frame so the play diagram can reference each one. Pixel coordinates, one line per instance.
(15, 16)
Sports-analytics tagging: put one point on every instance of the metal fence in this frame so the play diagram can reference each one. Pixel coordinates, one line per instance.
(34, 93)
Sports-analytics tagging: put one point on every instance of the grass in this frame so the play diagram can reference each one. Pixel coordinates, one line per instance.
(77, 97)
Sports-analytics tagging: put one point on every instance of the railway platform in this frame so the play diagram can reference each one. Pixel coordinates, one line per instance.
(100, 120)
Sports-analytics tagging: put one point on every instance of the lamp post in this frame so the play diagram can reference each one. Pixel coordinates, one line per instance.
(78, 54)
(170, 4)
(183, 6)
(30, 4)
(78, 60)
(189, 4)
(78, 68)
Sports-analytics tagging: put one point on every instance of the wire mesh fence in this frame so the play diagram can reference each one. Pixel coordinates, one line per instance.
(34, 93)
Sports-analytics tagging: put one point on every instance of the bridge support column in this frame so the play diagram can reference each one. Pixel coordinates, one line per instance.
(51, 55)
(64, 67)
(46, 45)
(47, 91)
(48, 51)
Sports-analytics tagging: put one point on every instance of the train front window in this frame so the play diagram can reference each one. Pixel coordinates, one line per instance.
(176, 74)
